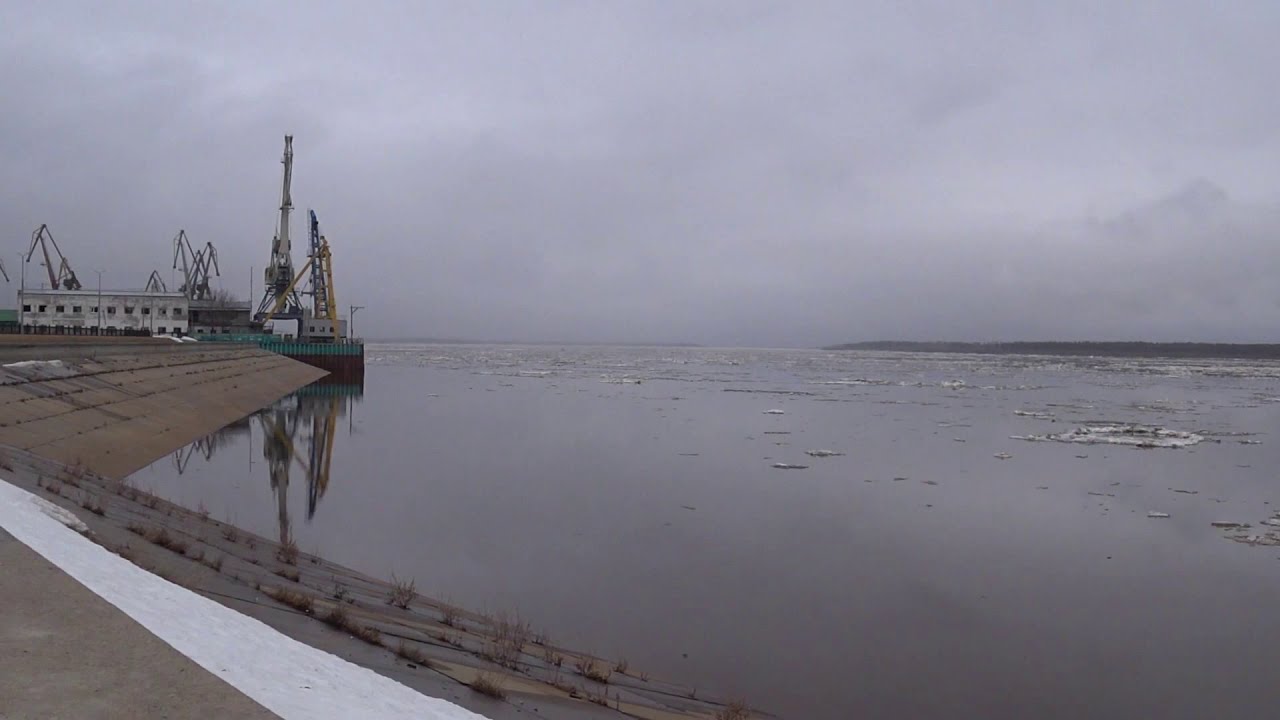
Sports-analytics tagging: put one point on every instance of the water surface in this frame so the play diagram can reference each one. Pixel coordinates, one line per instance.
(921, 573)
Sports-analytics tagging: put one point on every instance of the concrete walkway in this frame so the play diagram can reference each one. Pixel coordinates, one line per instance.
(67, 653)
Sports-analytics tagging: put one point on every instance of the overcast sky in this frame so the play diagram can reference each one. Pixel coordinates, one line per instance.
(737, 172)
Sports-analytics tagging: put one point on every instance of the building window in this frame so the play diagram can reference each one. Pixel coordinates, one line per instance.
(177, 312)
(146, 311)
(26, 308)
(164, 312)
(43, 308)
(93, 309)
(128, 309)
(163, 329)
(77, 308)
(111, 309)
(61, 308)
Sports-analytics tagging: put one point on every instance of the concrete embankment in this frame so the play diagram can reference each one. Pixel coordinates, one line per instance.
(115, 407)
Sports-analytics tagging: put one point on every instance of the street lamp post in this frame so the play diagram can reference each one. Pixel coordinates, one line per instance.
(99, 301)
(351, 322)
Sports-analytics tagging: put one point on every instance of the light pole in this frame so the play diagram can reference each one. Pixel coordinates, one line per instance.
(99, 301)
(351, 322)
(22, 289)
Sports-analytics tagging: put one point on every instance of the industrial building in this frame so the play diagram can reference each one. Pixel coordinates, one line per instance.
(157, 313)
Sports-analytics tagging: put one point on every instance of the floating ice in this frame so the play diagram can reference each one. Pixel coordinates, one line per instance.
(1227, 524)
(775, 411)
(1273, 522)
(822, 453)
(1133, 435)
(1002, 456)
(1033, 414)
(953, 384)
(789, 466)
(1154, 514)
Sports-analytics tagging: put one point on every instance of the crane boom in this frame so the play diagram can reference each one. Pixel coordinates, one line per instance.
(63, 276)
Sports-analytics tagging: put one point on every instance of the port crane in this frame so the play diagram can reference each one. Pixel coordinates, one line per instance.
(4, 272)
(198, 266)
(155, 283)
(280, 298)
(63, 277)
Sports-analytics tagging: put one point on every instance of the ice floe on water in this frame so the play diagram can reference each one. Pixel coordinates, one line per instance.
(1142, 436)
(1157, 514)
(822, 453)
(1033, 414)
(775, 411)
(789, 466)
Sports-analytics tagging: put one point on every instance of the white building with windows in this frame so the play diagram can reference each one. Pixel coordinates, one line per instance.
(160, 313)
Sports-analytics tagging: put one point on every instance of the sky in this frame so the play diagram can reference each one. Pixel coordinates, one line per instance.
(721, 173)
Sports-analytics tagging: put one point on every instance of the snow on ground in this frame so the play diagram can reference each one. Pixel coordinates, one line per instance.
(285, 676)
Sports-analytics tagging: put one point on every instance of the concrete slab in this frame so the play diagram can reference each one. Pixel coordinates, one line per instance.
(67, 653)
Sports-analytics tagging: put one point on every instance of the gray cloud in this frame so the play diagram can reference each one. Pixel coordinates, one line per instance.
(741, 173)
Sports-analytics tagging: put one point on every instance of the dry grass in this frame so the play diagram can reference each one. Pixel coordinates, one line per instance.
(214, 564)
(296, 600)
(485, 684)
(339, 619)
(448, 639)
(159, 536)
(53, 488)
(552, 657)
(510, 636)
(6, 463)
(590, 668)
(136, 528)
(413, 654)
(288, 574)
(95, 505)
(735, 710)
(449, 615)
(402, 593)
(150, 501)
(621, 667)
(230, 534)
(288, 552)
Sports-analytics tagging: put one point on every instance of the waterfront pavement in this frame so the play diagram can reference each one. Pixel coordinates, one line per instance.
(67, 653)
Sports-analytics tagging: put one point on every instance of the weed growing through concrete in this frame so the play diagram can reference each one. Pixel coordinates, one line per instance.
(402, 593)
(6, 463)
(162, 538)
(510, 636)
(296, 600)
(95, 505)
(485, 684)
(230, 534)
(735, 710)
(449, 615)
(288, 552)
(213, 563)
(588, 667)
(288, 574)
(412, 654)
(339, 619)
(621, 667)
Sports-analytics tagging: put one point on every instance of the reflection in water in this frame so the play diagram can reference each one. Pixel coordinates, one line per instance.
(297, 430)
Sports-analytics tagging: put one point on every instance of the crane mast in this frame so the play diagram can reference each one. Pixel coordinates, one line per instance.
(278, 276)
(61, 277)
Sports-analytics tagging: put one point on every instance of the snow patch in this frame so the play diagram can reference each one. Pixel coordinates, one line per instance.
(285, 676)
(34, 364)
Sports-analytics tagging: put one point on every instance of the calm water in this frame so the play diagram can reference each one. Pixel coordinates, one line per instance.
(916, 575)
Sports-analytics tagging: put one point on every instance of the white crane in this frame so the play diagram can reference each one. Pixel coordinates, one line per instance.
(279, 293)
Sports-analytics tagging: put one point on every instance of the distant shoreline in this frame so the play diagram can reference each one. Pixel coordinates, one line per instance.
(1185, 350)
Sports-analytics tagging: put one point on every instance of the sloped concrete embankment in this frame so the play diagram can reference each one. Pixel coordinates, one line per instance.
(116, 408)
